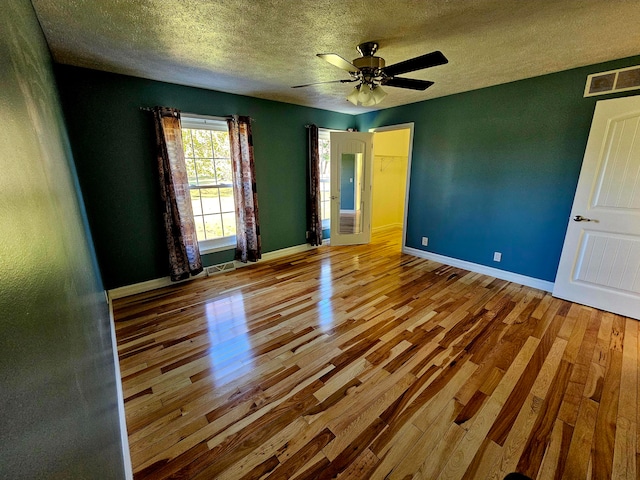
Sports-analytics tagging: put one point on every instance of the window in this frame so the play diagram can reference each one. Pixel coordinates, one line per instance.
(324, 147)
(208, 159)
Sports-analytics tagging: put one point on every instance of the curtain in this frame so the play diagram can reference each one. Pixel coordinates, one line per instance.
(248, 246)
(314, 217)
(182, 242)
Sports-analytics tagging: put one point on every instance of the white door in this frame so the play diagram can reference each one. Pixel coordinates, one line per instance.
(351, 161)
(600, 261)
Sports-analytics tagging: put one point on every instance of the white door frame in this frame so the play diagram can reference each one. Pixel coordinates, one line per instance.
(401, 126)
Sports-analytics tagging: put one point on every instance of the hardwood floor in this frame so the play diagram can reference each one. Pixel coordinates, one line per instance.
(361, 362)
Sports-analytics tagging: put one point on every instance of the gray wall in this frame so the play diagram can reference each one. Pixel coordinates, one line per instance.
(58, 414)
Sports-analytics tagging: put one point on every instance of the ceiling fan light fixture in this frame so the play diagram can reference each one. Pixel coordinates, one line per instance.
(353, 96)
(371, 102)
(378, 94)
(365, 94)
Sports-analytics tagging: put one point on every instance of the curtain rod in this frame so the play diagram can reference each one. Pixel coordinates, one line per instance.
(150, 109)
(332, 129)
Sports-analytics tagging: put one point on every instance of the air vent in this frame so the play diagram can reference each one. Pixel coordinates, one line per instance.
(223, 267)
(613, 81)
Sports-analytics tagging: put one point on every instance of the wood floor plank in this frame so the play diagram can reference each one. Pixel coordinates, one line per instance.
(579, 455)
(608, 410)
(525, 440)
(254, 463)
(393, 454)
(540, 435)
(349, 425)
(484, 461)
(362, 362)
(626, 446)
(463, 453)
(423, 448)
(361, 467)
(555, 455)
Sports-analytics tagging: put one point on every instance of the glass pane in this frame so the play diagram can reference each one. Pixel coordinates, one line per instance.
(226, 200)
(195, 202)
(186, 142)
(326, 211)
(325, 196)
(220, 142)
(202, 144)
(206, 171)
(223, 170)
(324, 148)
(199, 227)
(191, 171)
(628, 79)
(210, 201)
(351, 178)
(602, 83)
(213, 226)
(229, 221)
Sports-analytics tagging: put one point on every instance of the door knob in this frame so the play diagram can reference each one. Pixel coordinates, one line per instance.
(580, 218)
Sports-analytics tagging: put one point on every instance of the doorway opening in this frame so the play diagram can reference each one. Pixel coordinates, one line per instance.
(390, 185)
(385, 176)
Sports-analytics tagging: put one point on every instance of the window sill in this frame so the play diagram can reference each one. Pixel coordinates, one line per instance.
(217, 245)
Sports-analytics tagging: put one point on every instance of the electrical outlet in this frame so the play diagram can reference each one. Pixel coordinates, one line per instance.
(497, 256)
(425, 241)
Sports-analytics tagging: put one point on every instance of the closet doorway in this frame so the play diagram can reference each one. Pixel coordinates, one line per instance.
(392, 146)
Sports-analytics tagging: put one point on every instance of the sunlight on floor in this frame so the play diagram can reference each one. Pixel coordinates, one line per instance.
(231, 354)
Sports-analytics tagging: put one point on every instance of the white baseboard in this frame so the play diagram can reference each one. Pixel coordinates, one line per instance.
(124, 438)
(149, 285)
(477, 268)
(283, 252)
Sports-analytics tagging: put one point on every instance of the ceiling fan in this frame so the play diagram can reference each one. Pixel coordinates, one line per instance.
(371, 73)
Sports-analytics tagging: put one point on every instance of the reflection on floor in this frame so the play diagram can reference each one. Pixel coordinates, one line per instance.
(367, 363)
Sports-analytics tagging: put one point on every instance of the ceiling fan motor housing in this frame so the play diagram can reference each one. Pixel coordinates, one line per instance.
(369, 69)
(369, 65)
(373, 63)
(367, 49)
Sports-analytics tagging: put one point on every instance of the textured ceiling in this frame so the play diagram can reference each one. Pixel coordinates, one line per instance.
(263, 47)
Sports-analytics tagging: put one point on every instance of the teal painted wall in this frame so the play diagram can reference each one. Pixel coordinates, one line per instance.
(496, 169)
(113, 144)
(492, 169)
(59, 415)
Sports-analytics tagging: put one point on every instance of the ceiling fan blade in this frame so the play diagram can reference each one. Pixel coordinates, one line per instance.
(411, 83)
(338, 61)
(320, 83)
(418, 63)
